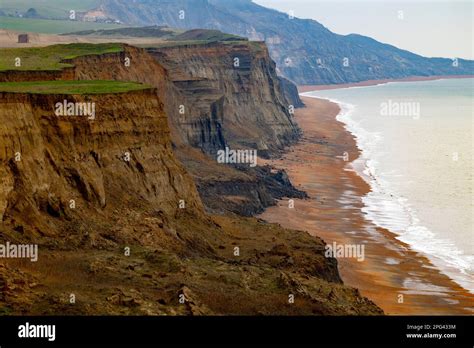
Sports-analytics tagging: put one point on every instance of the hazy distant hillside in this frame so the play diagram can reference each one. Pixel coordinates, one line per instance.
(304, 50)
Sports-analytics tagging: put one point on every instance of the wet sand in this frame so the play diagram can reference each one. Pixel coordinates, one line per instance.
(396, 278)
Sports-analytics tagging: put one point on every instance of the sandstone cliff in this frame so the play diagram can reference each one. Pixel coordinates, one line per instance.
(122, 157)
(218, 265)
(216, 94)
(232, 89)
(120, 224)
(211, 104)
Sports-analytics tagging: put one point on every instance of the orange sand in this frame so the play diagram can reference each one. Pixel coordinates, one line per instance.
(315, 166)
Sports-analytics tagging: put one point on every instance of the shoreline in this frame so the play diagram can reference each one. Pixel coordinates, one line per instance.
(310, 88)
(333, 212)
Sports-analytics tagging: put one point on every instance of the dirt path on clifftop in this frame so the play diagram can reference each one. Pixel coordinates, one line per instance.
(396, 278)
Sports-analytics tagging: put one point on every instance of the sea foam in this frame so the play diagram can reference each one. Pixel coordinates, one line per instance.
(385, 208)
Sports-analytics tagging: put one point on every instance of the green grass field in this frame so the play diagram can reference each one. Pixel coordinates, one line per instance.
(49, 58)
(51, 26)
(71, 87)
(48, 8)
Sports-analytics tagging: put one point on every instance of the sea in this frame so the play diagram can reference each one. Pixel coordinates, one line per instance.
(416, 142)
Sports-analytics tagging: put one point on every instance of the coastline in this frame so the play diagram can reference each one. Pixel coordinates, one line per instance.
(309, 88)
(333, 212)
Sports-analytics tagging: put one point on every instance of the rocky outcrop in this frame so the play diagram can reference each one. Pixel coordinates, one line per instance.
(291, 93)
(249, 194)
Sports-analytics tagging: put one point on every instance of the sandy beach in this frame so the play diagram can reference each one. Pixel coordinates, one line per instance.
(398, 279)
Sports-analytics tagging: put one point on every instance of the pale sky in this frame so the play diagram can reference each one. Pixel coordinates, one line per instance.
(432, 28)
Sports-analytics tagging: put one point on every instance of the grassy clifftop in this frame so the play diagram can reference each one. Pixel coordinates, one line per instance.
(71, 87)
(50, 58)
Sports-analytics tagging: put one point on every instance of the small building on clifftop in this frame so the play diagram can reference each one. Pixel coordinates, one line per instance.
(23, 38)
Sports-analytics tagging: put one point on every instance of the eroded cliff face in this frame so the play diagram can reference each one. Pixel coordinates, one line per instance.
(58, 170)
(132, 64)
(233, 91)
(86, 191)
(211, 104)
(215, 94)
(119, 222)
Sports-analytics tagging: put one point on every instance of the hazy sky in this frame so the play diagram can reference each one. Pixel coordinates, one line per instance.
(433, 28)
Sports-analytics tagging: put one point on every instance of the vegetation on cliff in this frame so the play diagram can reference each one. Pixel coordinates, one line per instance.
(51, 57)
(71, 87)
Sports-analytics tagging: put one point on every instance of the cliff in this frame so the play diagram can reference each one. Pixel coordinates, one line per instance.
(121, 157)
(291, 92)
(103, 198)
(216, 94)
(240, 107)
(234, 90)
